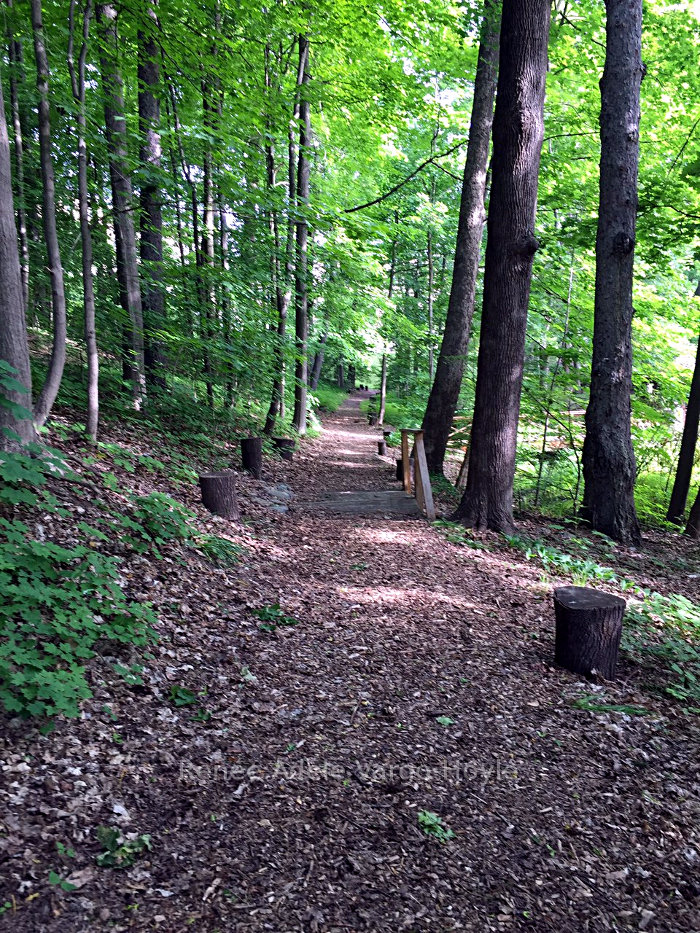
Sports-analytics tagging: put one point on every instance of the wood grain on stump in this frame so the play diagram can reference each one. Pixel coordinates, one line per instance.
(219, 494)
(588, 630)
(251, 454)
(284, 447)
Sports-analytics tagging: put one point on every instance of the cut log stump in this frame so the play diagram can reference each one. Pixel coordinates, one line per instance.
(381, 448)
(219, 494)
(399, 469)
(588, 630)
(372, 419)
(284, 447)
(387, 435)
(251, 454)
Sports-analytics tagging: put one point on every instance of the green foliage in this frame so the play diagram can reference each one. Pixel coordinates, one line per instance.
(58, 881)
(581, 570)
(432, 825)
(120, 851)
(327, 398)
(594, 705)
(458, 534)
(59, 604)
(182, 696)
(665, 631)
(273, 617)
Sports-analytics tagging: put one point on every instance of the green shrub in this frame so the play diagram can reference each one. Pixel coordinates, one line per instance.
(58, 603)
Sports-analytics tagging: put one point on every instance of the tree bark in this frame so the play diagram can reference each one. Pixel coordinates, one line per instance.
(219, 494)
(15, 417)
(151, 242)
(15, 57)
(251, 455)
(686, 455)
(301, 293)
(588, 630)
(49, 391)
(692, 529)
(78, 87)
(444, 394)
(382, 392)
(608, 456)
(122, 195)
(318, 362)
(518, 131)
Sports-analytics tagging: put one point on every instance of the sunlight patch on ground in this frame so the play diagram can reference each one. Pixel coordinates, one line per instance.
(384, 536)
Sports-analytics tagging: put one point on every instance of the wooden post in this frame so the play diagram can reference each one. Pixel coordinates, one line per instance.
(424, 492)
(251, 454)
(588, 630)
(463, 472)
(284, 447)
(387, 435)
(399, 469)
(381, 448)
(219, 494)
(405, 458)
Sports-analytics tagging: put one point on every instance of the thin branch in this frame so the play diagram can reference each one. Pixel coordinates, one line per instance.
(388, 194)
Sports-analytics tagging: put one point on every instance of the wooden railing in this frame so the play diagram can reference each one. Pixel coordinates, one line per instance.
(424, 492)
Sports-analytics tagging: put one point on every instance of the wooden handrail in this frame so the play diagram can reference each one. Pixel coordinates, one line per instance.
(424, 492)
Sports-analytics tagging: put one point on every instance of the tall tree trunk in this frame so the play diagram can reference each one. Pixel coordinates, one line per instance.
(608, 455)
(49, 391)
(692, 529)
(444, 394)
(78, 87)
(122, 195)
(382, 392)
(318, 362)
(518, 131)
(208, 234)
(16, 71)
(431, 348)
(16, 427)
(151, 242)
(686, 456)
(301, 292)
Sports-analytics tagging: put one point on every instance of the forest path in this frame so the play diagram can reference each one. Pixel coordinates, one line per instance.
(356, 480)
(353, 688)
(418, 681)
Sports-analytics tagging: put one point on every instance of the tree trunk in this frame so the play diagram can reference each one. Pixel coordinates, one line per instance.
(219, 494)
(518, 131)
(686, 456)
(14, 349)
(382, 392)
(692, 529)
(608, 455)
(16, 71)
(444, 394)
(251, 455)
(588, 630)
(208, 233)
(78, 88)
(431, 348)
(49, 391)
(122, 194)
(318, 362)
(151, 242)
(301, 300)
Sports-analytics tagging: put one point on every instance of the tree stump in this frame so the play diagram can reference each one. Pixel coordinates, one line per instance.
(588, 630)
(251, 454)
(387, 435)
(372, 420)
(284, 447)
(219, 494)
(399, 468)
(381, 448)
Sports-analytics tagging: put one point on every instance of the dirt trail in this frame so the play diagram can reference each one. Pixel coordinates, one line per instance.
(417, 680)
